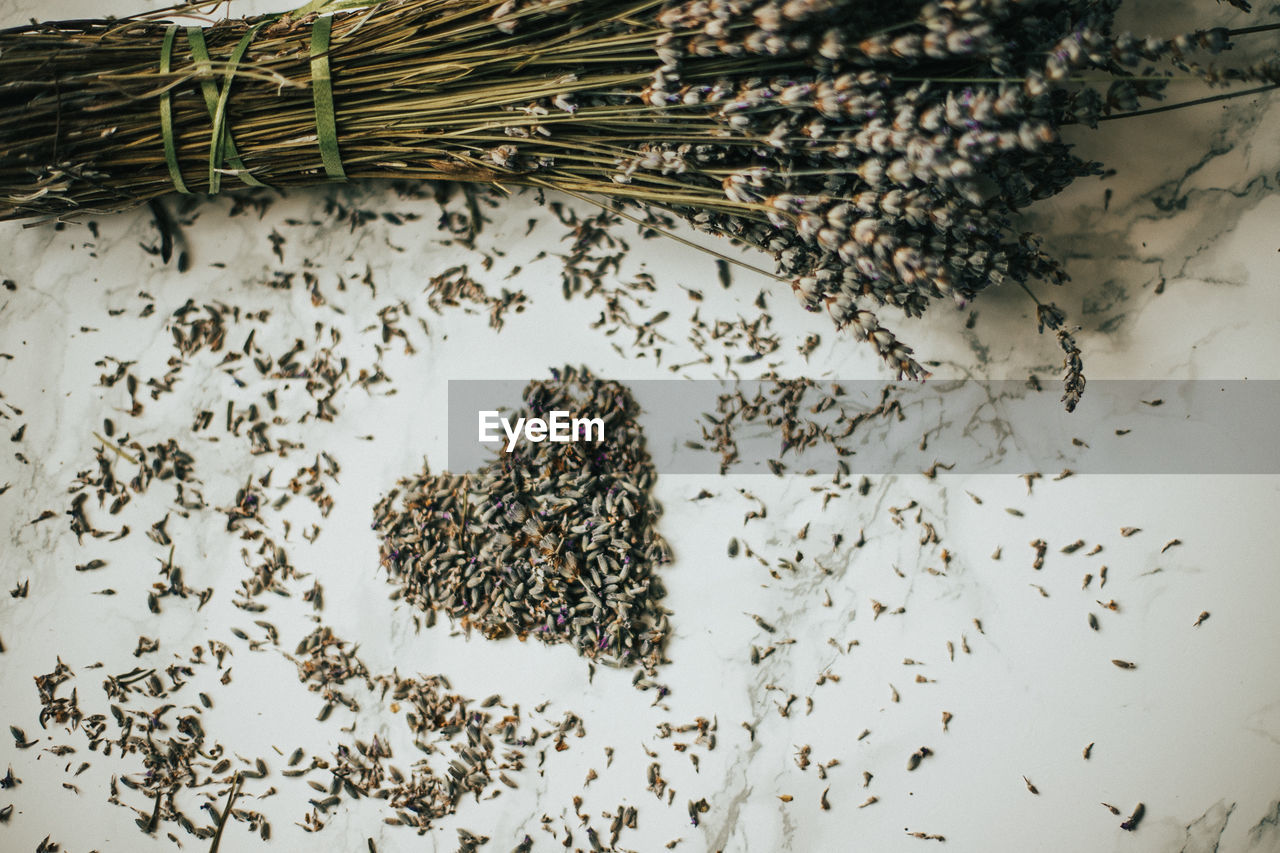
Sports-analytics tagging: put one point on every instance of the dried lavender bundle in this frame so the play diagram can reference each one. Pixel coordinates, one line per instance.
(879, 151)
(551, 540)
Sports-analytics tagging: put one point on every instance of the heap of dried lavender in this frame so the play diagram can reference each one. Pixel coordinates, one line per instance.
(551, 540)
(477, 743)
(170, 763)
(879, 151)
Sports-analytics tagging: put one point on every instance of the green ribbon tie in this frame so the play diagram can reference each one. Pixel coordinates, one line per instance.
(166, 114)
(222, 147)
(322, 91)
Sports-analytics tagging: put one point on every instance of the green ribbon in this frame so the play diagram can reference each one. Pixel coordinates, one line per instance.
(322, 91)
(222, 146)
(166, 114)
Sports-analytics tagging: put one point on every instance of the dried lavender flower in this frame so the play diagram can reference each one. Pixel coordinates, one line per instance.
(879, 151)
(551, 540)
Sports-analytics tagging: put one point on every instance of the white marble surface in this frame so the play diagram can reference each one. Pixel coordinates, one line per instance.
(1193, 732)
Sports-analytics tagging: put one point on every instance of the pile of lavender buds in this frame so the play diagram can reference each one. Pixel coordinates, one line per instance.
(551, 540)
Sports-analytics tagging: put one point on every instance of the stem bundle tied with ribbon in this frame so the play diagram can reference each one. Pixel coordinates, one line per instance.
(879, 150)
(223, 154)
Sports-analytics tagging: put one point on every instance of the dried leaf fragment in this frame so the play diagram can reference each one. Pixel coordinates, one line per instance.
(1134, 819)
(916, 757)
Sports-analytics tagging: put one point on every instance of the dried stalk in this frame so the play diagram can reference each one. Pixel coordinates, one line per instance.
(879, 151)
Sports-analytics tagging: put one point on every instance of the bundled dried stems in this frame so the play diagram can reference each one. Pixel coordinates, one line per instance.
(878, 150)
